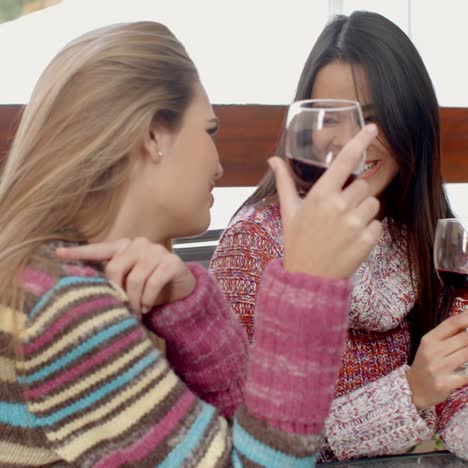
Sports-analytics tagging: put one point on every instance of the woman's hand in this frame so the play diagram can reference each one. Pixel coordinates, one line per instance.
(331, 231)
(444, 349)
(149, 273)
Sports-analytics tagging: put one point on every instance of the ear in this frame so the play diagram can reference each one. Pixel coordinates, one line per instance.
(155, 139)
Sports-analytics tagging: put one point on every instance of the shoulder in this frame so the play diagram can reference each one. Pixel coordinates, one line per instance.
(46, 280)
(71, 310)
(252, 239)
(256, 220)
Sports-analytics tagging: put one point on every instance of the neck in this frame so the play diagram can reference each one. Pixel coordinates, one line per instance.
(129, 223)
(119, 231)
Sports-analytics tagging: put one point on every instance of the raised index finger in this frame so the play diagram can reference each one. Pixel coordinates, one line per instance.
(99, 251)
(347, 160)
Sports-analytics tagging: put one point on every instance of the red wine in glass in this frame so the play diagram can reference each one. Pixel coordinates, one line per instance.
(306, 173)
(451, 262)
(456, 282)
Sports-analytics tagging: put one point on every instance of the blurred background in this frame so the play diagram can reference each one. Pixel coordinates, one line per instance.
(246, 51)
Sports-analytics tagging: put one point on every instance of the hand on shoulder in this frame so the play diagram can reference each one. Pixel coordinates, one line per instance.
(147, 272)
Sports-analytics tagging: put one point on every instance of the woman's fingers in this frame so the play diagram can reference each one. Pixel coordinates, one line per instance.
(455, 343)
(142, 269)
(287, 192)
(119, 266)
(135, 283)
(152, 294)
(347, 160)
(449, 327)
(355, 193)
(100, 251)
(367, 210)
(441, 352)
(456, 360)
(457, 381)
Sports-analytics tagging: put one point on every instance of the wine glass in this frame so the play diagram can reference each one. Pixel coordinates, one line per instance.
(451, 260)
(316, 130)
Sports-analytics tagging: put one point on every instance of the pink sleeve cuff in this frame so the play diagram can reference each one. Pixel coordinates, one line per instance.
(205, 343)
(299, 340)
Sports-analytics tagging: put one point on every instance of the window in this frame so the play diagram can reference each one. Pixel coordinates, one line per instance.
(246, 51)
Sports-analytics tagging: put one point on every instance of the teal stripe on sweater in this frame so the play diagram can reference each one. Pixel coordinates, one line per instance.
(18, 415)
(191, 440)
(236, 461)
(80, 350)
(264, 455)
(102, 392)
(62, 283)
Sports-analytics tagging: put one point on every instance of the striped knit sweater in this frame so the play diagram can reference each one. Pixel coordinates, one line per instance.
(86, 387)
(373, 412)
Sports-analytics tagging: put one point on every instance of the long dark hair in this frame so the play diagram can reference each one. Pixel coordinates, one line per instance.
(407, 113)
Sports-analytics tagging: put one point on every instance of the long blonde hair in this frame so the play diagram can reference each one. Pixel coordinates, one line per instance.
(89, 109)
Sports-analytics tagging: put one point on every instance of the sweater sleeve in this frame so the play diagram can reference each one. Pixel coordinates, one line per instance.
(244, 250)
(104, 396)
(378, 419)
(455, 431)
(453, 413)
(205, 343)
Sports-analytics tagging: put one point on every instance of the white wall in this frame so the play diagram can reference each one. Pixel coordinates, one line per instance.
(247, 51)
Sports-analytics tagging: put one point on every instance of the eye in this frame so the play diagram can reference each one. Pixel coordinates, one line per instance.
(212, 129)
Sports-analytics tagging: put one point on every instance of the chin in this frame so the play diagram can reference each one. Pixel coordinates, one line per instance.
(203, 227)
(197, 229)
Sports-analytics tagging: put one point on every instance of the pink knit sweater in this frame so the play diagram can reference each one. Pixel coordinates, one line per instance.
(373, 412)
(88, 388)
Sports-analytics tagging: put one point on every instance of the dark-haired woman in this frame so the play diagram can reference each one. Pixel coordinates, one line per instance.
(383, 404)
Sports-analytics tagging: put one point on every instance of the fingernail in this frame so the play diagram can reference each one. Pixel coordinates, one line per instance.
(371, 129)
(145, 310)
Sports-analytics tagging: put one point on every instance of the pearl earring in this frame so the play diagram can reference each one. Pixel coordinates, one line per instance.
(160, 153)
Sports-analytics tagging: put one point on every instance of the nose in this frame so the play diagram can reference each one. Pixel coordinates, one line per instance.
(344, 133)
(219, 172)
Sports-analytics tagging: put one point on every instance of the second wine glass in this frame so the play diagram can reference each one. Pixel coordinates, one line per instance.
(451, 261)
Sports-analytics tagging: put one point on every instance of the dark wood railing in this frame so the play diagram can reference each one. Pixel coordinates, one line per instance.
(249, 133)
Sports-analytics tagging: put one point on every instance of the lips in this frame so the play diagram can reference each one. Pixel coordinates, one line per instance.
(370, 168)
(369, 165)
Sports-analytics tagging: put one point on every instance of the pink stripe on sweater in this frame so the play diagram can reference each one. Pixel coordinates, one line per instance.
(76, 313)
(36, 282)
(153, 437)
(85, 366)
(80, 270)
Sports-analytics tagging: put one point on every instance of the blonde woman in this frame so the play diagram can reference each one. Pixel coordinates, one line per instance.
(112, 159)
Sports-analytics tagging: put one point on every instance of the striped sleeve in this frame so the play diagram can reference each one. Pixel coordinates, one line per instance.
(104, 396)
